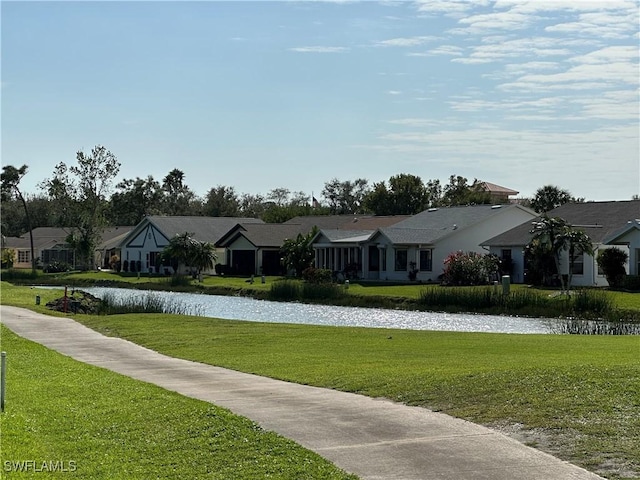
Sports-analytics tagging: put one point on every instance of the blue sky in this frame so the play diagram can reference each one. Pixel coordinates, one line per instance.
(261, 95)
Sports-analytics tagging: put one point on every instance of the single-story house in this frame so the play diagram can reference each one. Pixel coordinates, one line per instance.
(254, 249)
(50, 244)
(606, 223)
(416, 246)
(144, 244)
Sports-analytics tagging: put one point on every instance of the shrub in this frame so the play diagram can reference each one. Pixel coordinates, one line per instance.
(317, 275)
(469, 268)
(612, 261)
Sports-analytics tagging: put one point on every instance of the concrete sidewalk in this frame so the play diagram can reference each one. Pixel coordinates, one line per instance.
(374, 439)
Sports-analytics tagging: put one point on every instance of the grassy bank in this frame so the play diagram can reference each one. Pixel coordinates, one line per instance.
(101, 425)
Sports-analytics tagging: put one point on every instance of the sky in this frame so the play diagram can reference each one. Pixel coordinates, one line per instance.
(259, 95)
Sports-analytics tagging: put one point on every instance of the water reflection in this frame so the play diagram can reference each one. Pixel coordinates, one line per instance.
(242, 308)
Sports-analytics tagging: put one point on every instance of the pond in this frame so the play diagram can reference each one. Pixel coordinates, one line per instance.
(243, 308)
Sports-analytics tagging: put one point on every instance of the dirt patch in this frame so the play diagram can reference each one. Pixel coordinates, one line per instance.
(77, 302)
(559, 444)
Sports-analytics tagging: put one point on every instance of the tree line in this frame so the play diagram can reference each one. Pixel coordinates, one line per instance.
(82, 197)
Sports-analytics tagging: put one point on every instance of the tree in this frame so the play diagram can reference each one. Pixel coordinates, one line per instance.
(555, 236)
(81, 191)
(612, 262)
(252, 206)
(549, 197)
(11, 177)
(297, 253)
(185, 250)
(221, 201)
(576, 242)
(178, 199)
(456, 191)
(203, 257)
(459, 192)
(345, 197)
(135, 200)
(179, 250)
(405, 195)
(283, 205)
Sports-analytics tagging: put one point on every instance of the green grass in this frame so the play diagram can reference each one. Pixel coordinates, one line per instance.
(577, 397)
(101, 425)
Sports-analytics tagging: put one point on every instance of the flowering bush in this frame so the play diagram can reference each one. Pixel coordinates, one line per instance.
(469, 268)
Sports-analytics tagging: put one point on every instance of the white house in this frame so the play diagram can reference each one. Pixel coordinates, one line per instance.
(417, 246)
(606, 223)
(144, 244)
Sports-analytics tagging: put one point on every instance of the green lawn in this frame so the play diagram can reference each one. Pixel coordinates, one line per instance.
(88, 422)
(577, 397)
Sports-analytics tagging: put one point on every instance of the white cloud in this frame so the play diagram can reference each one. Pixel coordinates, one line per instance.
(406, 42)
(607, 55)
(450, 7)
(453, 50)
(319, 49)
(497, 21)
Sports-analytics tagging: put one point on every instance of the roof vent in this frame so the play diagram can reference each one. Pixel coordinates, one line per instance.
(432, 210)
(455, 227)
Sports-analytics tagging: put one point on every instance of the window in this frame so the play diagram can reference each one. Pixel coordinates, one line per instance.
(24, 256)
(401, 260)
(578, 265)
(505, 254)
(383, 259)
(426, 263)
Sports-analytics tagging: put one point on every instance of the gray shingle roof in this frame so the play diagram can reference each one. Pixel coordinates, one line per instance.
(203, 229)
(264, 234)
(346, 222)
(597, 219)
(446, 217)
(48, 237)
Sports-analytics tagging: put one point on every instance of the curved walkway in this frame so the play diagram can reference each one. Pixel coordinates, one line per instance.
(374, 439)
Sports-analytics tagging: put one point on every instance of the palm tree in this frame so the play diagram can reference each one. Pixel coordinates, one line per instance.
(187, 251)
(557, 236)
(180, 250)
(577, 242)
(203, 257)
